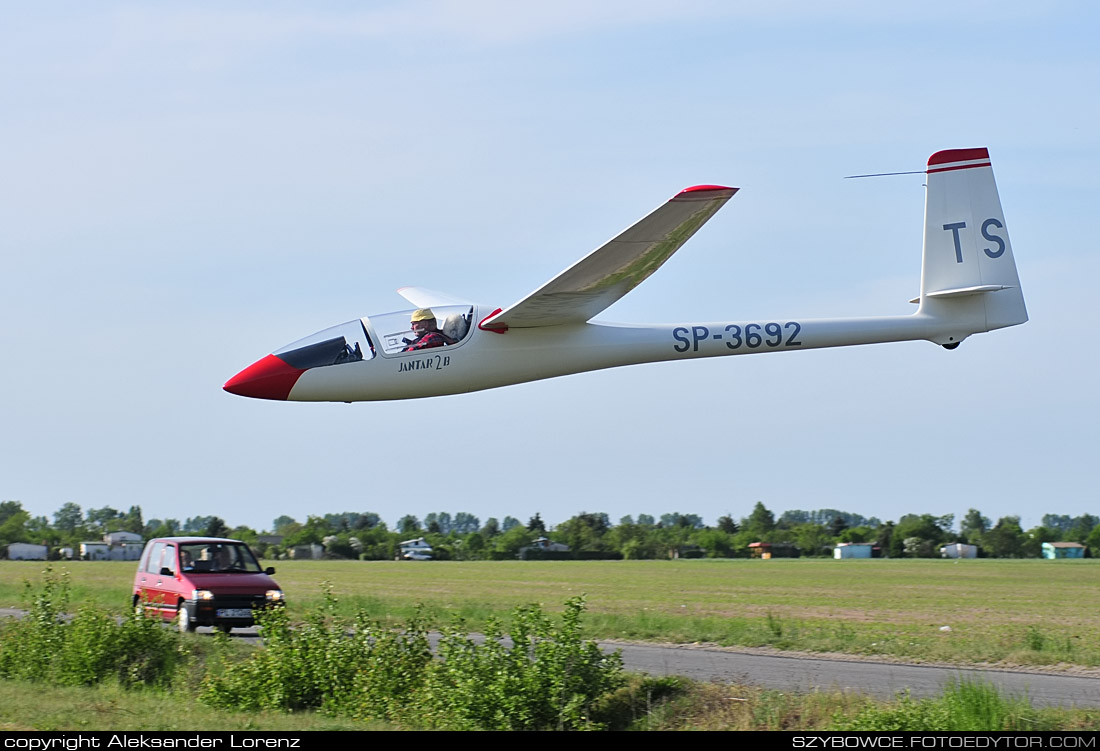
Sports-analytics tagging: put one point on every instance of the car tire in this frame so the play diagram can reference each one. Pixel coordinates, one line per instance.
(225, 628)
(183, 620)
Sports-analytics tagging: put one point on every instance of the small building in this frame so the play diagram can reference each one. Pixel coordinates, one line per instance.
(768, 550)
(95, 551)
(540, 547)
(853, 550)
(311, 552)
(1063, 550)
(118, 538)
(25, 551)
(959, 550)
(126, 551)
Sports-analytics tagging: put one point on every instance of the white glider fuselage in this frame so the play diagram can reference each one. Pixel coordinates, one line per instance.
(969, 285)
(487, 360)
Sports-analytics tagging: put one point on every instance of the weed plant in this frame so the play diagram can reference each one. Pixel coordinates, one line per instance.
(964, 705)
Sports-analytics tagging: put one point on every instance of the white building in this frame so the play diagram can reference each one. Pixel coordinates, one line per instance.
(959, 550)
(852, 550)
(95, 551)
(25, 551)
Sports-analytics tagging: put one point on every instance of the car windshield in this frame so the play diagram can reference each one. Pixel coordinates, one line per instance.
(217, 558)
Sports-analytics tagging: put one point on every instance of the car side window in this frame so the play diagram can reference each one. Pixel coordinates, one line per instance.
(169, 561)
(152, 566)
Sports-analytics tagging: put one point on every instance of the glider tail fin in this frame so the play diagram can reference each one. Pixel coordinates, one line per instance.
(969, 274)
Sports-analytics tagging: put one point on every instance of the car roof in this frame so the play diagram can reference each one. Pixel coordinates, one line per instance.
(195, 539)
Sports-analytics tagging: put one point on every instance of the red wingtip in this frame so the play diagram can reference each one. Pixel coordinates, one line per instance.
(698, 188)
(269, 378)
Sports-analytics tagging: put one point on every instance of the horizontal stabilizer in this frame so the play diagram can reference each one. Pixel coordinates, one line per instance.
(963, 291)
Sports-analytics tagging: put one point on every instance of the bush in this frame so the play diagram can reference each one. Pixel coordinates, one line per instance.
(90, 648)
(546, 678)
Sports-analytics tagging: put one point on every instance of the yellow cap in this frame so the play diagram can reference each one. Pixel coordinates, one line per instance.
(423, 314)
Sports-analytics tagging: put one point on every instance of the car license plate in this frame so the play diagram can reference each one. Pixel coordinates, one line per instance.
(234, 613)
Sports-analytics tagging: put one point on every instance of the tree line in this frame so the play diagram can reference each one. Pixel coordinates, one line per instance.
(462, 536)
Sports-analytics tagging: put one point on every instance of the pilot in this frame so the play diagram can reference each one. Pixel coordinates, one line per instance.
(427, 332)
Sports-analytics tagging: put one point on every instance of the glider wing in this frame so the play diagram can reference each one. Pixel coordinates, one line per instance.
(605, 275)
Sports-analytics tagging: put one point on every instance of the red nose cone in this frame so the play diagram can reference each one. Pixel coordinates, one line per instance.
(269, 378)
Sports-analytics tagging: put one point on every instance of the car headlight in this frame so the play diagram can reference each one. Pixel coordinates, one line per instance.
(202, 594)
(274, 595)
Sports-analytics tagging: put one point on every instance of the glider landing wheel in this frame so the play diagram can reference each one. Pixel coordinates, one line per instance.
(952, 345)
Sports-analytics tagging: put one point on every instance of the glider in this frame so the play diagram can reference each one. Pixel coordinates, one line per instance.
(447, 345)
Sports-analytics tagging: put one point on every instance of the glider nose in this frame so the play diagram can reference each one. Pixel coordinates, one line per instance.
(269, 378)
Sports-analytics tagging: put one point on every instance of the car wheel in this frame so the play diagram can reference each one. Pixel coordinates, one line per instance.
(183, 620)
(139, 609)
(225, 628)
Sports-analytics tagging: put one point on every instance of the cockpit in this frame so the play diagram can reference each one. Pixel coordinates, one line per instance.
(390, 335)
(364, 338)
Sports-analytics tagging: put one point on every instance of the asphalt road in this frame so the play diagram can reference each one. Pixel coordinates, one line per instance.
(882, 680)
(801, 673)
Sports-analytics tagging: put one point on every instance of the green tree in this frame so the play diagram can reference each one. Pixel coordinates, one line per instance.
(715, 542)
(312, 532)
(813, 539)
(924, 527)
(584, 531)
(245, 534)
(1093, 541)
(884, 539)
(13, 522)
(68, 518)
(837, 526)
(473, 546)
(508, 544)
(408, 524)
(760, 522)
(100, 521)
(973, 526)
(727, 524)
(216, 527)
(1081, 528)
(535, 524)
(856, 534)
(466, 523)
(280, 524)
(1006, 539)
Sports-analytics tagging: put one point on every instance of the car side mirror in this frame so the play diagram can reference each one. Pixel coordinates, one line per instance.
(165, 571)
(269, 570)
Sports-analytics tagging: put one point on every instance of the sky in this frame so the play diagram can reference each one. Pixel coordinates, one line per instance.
(187, 187)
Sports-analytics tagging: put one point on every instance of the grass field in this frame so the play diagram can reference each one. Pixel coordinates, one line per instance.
(1028, 612)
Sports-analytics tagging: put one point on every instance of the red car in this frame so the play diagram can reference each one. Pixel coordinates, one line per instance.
(203, 581)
